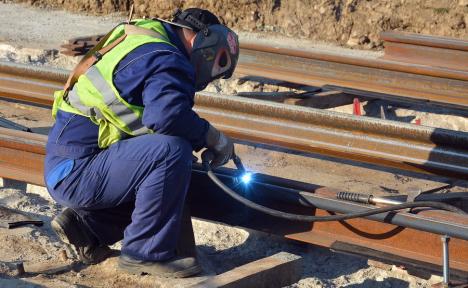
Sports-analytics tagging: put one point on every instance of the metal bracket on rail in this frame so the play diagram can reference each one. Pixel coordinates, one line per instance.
(446, 263)
(446, 266)
(446, 283)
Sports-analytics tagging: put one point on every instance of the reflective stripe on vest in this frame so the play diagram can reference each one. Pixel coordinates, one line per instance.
(127, 116)
(94, 94)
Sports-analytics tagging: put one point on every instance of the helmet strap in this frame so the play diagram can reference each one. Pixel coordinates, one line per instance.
(196, 24)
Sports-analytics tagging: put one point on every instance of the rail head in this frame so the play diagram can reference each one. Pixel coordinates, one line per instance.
(23, 141)
(425, 40)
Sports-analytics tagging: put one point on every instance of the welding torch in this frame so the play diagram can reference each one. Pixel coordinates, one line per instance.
(238, 162)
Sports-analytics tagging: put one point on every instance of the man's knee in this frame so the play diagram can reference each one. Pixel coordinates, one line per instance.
(154, 147)
(180, 149)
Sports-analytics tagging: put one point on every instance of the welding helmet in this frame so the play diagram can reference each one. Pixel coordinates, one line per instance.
(215, 49)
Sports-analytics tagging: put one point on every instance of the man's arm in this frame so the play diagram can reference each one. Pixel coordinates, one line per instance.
(168, 99)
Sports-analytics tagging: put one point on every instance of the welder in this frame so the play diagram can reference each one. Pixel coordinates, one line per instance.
(119, 155)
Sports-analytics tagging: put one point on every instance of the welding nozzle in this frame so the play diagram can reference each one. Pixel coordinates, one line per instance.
(238, 162)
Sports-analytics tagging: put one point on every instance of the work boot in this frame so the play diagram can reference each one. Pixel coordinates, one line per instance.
(177, 267)
(72, 231)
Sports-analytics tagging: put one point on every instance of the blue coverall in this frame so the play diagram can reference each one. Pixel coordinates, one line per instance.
(136, 188)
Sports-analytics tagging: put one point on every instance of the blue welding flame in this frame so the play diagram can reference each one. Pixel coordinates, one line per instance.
(246, 178)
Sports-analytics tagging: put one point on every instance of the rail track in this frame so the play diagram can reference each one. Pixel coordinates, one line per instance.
(409, 239)
(426, 50)
(388, 143)
(423, 68)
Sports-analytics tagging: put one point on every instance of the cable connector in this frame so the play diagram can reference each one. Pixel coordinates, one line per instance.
(366, 198)
(355, 197)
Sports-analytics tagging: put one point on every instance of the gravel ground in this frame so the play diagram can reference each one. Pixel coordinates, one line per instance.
(47, 29)
(220, 247)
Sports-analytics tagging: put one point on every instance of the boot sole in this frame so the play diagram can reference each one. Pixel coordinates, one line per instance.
(140, 269)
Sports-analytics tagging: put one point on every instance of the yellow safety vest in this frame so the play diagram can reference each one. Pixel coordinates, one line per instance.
(94, 94)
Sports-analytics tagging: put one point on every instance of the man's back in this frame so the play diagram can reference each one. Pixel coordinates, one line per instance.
(155, 75)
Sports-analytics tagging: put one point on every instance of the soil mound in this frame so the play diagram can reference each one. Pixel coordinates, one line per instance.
(351, 23)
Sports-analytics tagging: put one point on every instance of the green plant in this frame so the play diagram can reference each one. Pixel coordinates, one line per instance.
(441, 10)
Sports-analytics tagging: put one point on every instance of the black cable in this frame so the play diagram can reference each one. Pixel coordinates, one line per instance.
(308, 218)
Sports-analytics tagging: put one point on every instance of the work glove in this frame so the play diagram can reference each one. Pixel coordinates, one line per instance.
(220, 145)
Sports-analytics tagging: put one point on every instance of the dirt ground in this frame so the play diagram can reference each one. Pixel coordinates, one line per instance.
(334, 21)
(220, 247)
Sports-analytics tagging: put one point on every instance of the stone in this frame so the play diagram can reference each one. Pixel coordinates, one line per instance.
(353, 41)
(364, 39)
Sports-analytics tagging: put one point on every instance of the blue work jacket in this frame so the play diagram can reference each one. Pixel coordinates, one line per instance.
(157, 76)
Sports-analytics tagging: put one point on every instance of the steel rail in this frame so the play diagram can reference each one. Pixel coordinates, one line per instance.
(359, 234)
(429, 79)
(410, 80)
(30, 83)
(425, 40)
(386, 143)
(22, 156)
(248, 48)
(423, 67)
(433, 51)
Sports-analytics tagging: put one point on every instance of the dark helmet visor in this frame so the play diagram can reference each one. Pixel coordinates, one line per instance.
(214, 54)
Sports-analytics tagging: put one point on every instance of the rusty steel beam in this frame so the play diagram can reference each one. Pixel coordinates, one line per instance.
(371, 140)
(417, 80)
(81, 45)
(386, 143)
(376, 75)
(425, 40)
(22, 156)
(252, 50)
(432, 51)
(30, 83)
(362, 234)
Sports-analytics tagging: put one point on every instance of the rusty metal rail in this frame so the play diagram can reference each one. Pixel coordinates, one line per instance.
(420, 67)
(432, 51)
(311, 130)
(363, 139)
(375, 75)
(22, 156)
(29, 83)
(389, 143)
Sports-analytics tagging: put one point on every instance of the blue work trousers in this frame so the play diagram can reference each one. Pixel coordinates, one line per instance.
(135, 189)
